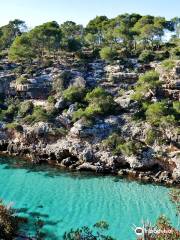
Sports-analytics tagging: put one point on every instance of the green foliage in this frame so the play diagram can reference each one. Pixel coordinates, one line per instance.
(25, 108)
(95, 94)
(146, 56)
(168, 64)
(107, 53)
(14, 126)
(175, 52)
(112, 141)
(157, 113)
(151, 136)
(10, 31)
(74, 94)
(110, 36)
(100, 103)
(21, 80)
(176, 107)
(73, 45)
(9, 114)
(51, 99)
(34, 44)
(147, 82)
(126, 148)
(117, 144)
(61, 82)
(39, 115)
(21, 49)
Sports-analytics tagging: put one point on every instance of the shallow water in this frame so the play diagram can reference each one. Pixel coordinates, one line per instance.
(69, 200)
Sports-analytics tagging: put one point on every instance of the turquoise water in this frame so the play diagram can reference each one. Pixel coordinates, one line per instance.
(69, 200)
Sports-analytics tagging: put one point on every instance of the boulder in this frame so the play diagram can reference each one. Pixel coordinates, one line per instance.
(87, 155)
(72, 108)
(60, 104)
(78, 82)
(87, 167)
(67, 161)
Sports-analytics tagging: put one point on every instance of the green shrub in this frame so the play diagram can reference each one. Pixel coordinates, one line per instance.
(175, 53)
(96, 93)
(8, 114)
(51, 99)
(107, 53)
(39, 115)
(151, 137)
(61, 82)
(113, 141)
(146, 56)
(74, 94)
(25, 108)
(161, 55)
(168, 64)
(14, 126)
(100, 103)
(21, 80)
(148, 81)
(176, 107)
(155, 112)
(59, 132)
(127, 148)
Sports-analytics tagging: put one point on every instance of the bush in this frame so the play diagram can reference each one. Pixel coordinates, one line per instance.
(146, 56)
(61, 82)
(39, 115)
(127, 148)
(107, 53)
(96, 93)
(74, 94)
(51, 100)
(25, 108)
(100, 102)
(14, 126)
(161, 55)
(176, 107)
(168, 64)
(148, 81)
(175, 53)
(112, 141)
(73, 45)
(21, 80)
(151, 137)
(155, 112)
(9, 114)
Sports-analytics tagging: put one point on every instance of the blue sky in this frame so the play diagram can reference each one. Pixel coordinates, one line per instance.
(35, 12)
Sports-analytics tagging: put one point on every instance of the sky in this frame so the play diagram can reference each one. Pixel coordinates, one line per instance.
(35, 12)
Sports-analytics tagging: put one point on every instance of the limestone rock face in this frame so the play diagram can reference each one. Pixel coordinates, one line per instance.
(125, 100)
(41, 128)
(72, 108)
(78, 82)
(171, 81)
(82, 145)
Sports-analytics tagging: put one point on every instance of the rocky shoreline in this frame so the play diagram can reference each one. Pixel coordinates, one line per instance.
(71, 160)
